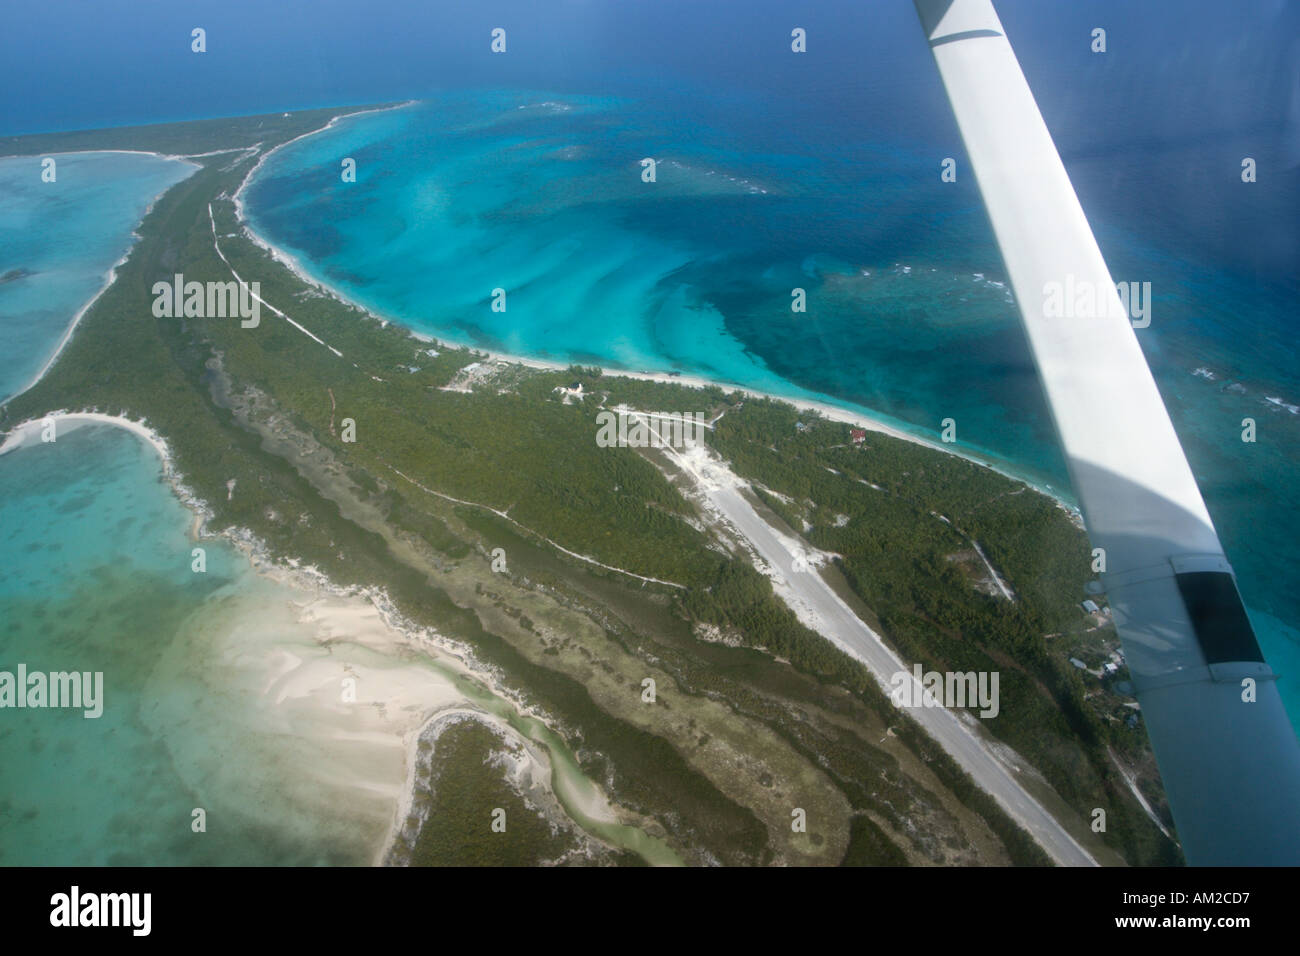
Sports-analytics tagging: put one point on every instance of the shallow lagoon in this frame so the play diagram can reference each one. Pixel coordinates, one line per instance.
(62, 237)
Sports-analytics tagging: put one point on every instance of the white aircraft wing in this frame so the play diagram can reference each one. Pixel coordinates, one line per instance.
(1227, 753)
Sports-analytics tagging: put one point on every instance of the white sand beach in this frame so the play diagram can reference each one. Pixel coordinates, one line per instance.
(32, 429)
(328, 688)
(290, 667)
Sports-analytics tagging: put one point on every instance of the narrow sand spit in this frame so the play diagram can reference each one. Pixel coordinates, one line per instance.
(327, 687)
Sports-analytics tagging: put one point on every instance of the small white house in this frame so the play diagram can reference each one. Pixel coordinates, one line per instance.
(570, 391)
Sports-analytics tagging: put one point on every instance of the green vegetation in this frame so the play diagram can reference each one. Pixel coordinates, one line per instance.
(523, 452)
(464, 784)
(880, 505)
(870, 847)
(179, 139)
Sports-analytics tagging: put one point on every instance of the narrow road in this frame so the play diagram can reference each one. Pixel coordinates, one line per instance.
(835, 620)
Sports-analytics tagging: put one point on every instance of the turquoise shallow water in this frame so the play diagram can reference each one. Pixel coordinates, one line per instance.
(67, 234)
(96, 577)
(220, 689)
(909, 315)
(454, 200)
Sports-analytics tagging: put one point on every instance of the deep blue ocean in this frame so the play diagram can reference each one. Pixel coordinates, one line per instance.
(521, 171)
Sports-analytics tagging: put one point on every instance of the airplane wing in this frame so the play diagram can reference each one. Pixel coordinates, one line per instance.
(1227, 753)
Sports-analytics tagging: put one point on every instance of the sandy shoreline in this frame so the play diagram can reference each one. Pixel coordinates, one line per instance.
(407, 704)
(30, 430)
(110, 275)
(343, 611)
(860, 418)
(276, 253)
(127, 152)
(367, 640)
(857, 417)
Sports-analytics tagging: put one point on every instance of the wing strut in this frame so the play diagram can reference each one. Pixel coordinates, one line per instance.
(1228, 756)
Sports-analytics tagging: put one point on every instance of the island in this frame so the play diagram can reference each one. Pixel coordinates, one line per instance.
(735, 578)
